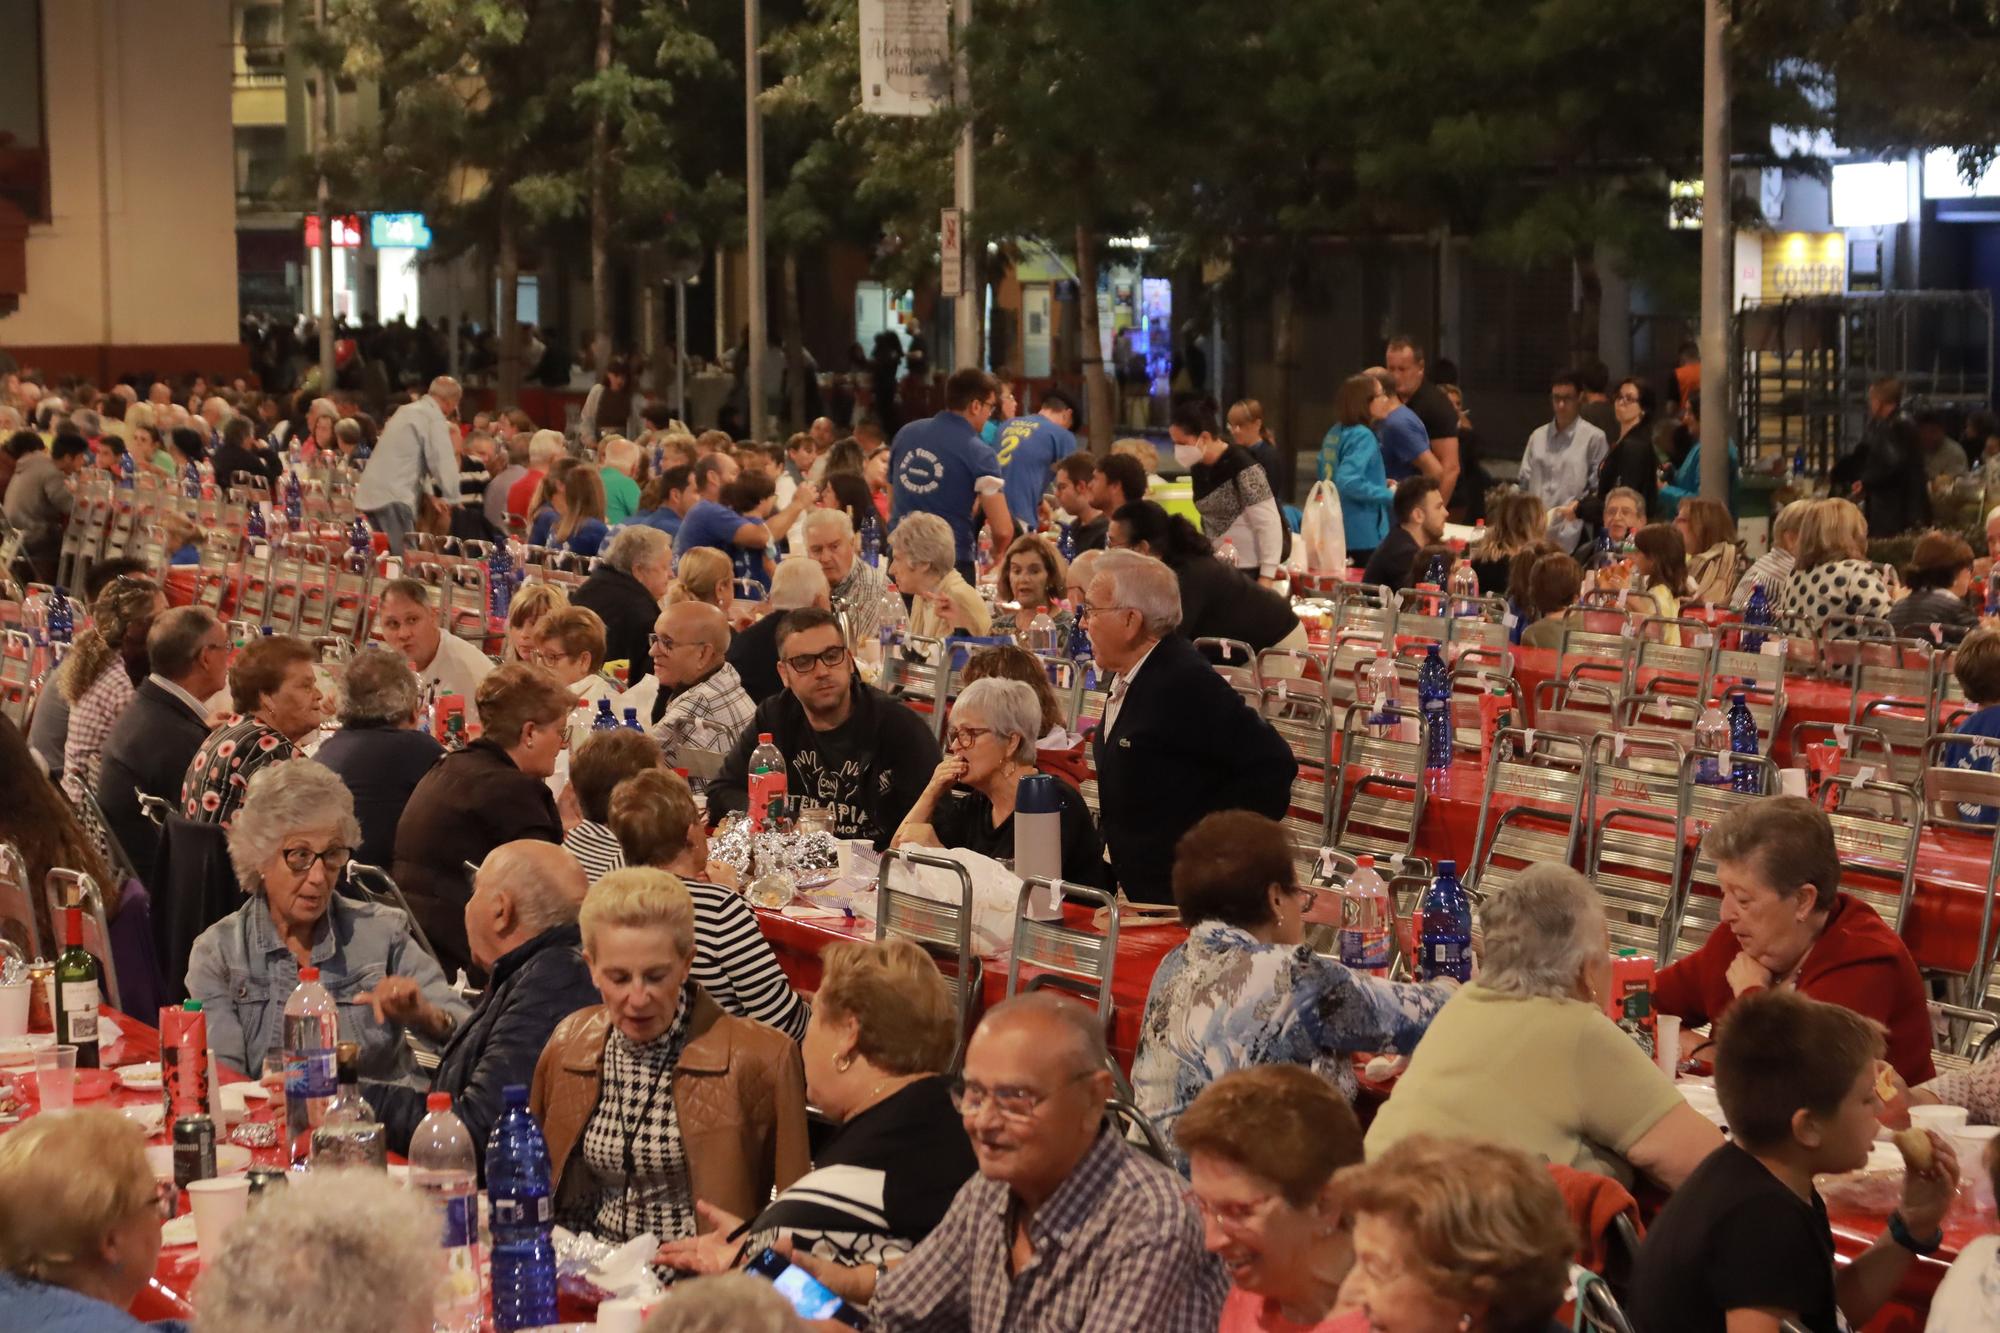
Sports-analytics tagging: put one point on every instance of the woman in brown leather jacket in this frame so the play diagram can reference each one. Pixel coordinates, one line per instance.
(656, 1098)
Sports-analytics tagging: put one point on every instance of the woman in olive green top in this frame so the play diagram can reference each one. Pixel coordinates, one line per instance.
(1526, 1056)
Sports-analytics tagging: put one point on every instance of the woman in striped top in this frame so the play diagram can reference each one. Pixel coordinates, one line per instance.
(596, 768)
(654, 819)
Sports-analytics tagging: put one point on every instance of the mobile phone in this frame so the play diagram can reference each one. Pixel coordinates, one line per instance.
(808, 1295)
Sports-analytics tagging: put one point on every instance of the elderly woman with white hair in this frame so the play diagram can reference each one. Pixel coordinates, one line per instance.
(1525, 1054)
(79, 1224)
(291, 840)
(924, 563)
(625, 591)
(334, 1251)
(989, 746)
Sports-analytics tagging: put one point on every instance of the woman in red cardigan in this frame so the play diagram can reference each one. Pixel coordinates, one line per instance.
(1784, 923)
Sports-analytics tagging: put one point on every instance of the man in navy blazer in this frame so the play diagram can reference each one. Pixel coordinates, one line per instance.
(1176, 742)
(155, 738)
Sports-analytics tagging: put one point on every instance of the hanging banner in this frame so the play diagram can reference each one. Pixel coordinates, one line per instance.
(905, 56)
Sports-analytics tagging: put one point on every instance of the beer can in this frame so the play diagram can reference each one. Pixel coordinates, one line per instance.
(41, 997)
(194, 1150)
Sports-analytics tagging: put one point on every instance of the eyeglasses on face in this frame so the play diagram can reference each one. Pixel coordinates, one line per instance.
(1086, 611)
(1631, 398)
(965, 736)
(803, 663)
(299, 860)
(1233, 1216)
(667, 645)
(1015, 1103)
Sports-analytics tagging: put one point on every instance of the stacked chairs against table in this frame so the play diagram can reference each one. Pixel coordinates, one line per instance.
(1698, 891)
(1633, 847)
(1951, 801)
(1542, 778)
(942, 928)
(1896, 693)
(1298, 710)
(1236, 662)
(1376, 802)
(83, 540)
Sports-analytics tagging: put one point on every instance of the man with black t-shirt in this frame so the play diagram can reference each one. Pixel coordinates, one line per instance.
(846, 744)
(1744, 1243)
(1075, 476)
(1405, 362)
(1419, 508)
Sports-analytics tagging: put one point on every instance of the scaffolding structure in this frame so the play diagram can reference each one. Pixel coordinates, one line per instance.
(1804, 365)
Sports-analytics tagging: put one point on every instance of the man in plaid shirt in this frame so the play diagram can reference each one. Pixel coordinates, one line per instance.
(1065, 1226)
(700, 704)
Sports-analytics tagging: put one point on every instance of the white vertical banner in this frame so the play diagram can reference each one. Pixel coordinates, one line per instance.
(905, 56)
(951, 253)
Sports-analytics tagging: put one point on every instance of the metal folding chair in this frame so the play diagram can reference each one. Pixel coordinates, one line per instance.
(1383, 810)
(1544, 825)
(1126, 1120)
(17, 904)
(1698, 893)
(1075, 960)
(1875, 831)
(943, 929)
(1235, 661)
(374, 884)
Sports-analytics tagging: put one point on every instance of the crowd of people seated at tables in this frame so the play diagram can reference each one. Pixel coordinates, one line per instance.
(571, 932)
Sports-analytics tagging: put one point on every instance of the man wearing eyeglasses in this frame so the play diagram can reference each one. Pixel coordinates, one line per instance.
(1065, 1226)
(694, 698)
(846, 744)
(1176, 742)
(1563, 455)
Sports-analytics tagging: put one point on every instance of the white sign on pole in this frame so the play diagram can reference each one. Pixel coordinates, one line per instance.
(951, 253)
(905, 56)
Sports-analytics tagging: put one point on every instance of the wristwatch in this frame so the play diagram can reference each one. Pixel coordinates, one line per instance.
(1899, 1232)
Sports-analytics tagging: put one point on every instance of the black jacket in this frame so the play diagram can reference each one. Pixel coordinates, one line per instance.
(468, 804)
(382, 766)
(149, 751)
(1632, 463)
(870, 769)
(628, 612)
(1183, 745)
(1895, 489)
(193, 886)
(1218, 602)
(533, 988)
(754, 654)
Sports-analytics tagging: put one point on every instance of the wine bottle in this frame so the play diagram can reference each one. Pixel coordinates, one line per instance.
(76, 992)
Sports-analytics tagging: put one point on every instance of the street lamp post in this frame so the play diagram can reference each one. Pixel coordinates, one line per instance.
(753, 174)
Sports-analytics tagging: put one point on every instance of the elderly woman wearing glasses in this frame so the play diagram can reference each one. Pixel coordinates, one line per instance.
(969, 801)
(1246, 990)
(79, 1223)
(291, 840)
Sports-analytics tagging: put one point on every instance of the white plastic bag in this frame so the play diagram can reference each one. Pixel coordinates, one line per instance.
(996, 891)
(1322, 531)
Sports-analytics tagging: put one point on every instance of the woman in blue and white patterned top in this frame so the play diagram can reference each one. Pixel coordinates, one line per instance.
(1245, 989)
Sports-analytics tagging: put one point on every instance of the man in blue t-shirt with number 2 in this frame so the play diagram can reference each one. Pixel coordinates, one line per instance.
(1029, 449)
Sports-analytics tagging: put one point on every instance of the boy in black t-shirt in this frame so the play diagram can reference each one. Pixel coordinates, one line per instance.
(1744, 1243)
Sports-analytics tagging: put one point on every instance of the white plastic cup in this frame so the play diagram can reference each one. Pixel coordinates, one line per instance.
(1791, 782)
(14, 1009)
(1946, 1120)
(55, 1077)
(217, 1204)
(1667, 1047)
(622, 1315)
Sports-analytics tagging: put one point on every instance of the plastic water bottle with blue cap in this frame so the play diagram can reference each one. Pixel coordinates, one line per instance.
(518, 1194)
(1446, 938)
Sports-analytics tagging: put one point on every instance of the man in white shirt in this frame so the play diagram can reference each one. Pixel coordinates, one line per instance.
(1562, 458)
(408, 623)
(416, 443)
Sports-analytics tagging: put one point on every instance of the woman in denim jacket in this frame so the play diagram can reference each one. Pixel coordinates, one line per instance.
(291, 840)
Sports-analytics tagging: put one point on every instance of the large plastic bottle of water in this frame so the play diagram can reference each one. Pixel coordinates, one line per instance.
(1365, 913)
(1434, 706)
(767, 779)
(893, 621)
(1756, 611)
(517, 1191)
(605, 720)
(1380, 684)
(312, 1026)
(631, 722)
(1742, 740)
(1711, 734)
(444, 1168)
(1446, 942)
(1464, 589)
